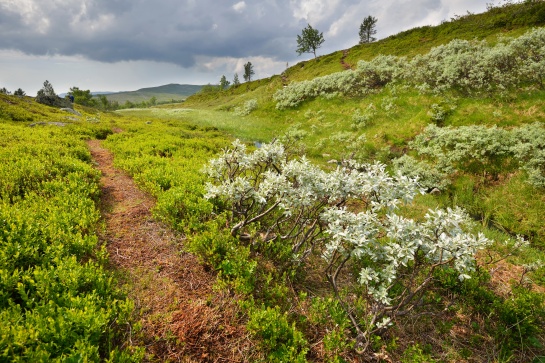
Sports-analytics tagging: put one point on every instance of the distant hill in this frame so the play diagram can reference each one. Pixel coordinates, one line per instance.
(62, 95)
(163, 93)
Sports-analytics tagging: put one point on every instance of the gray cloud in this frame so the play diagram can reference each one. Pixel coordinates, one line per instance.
(177, 31)
(186, 33)
(164, 30)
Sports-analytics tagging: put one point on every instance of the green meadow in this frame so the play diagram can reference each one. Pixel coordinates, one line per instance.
(471, 130)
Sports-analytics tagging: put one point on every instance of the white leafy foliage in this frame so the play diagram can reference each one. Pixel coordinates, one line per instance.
(428, 175)
(248, 107)
(395, 241)
(454, 146)
(265, 174)
(367, 77)
(306, 207)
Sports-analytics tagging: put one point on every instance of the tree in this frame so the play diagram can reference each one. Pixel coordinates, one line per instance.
(236, 81)
(367, 30)
(224, 83)
(248, 71)
(81, 97)
(19, 92)
(309, 40)
(104, 102)
(47, 89)
(4, 91)
(47, 96)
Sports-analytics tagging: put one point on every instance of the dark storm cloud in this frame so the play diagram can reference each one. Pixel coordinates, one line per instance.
(164, 30)
(177, 31)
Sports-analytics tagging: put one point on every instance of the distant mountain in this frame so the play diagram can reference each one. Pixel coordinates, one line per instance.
(62, 95)
(163, 93)
(173, 88)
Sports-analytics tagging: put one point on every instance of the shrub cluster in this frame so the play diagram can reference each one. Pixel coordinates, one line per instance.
(248, 107)
(477, 149)
(471, 67)
(368, 77)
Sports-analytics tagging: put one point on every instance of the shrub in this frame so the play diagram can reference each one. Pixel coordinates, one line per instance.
(480, 149)
(427, 175)
(279, 339)
(249, 106)
(271, 196)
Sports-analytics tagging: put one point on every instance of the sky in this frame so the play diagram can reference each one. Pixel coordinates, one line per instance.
(124, 45)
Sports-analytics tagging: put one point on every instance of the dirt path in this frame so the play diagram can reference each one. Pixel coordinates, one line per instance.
(343, 57)
(182, 318)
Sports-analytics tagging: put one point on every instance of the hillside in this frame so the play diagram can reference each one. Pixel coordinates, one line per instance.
(165, 93)
(383, 203)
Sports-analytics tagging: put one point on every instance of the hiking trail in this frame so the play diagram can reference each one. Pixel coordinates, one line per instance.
(183, 319)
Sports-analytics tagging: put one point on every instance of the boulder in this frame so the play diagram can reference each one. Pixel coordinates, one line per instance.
(66, 109)
(54, 101)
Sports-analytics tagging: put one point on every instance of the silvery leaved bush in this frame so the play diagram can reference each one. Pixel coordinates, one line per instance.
(273, 196)
(471, 67)
(248, 107)
(477, 148)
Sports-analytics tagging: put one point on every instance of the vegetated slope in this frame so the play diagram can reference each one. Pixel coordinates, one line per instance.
(381, 122)
(58, 298)
(508, 20)
(165, 93)
(476, 140)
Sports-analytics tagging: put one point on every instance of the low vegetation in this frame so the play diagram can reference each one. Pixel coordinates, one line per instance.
(57, 301)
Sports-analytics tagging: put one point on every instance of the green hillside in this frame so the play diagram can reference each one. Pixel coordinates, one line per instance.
(384, 203)
(165, 93)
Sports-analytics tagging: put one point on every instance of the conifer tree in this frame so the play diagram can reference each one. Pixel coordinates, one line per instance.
(248, 71)
(367, 30)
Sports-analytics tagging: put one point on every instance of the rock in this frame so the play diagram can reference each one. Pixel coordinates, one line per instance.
(42, 123)
(34, 124)
(54, 101)
(435, 191)
(60, 124)
(66, 109)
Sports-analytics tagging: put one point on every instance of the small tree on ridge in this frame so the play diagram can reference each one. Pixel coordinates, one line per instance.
(309, 40)
(224, 83)
(248, 71)
(367, 30)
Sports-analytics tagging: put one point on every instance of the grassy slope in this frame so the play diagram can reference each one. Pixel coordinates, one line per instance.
(506, 205)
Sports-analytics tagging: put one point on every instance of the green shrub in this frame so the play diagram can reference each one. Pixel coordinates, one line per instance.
(415, 354)
(280, 340)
